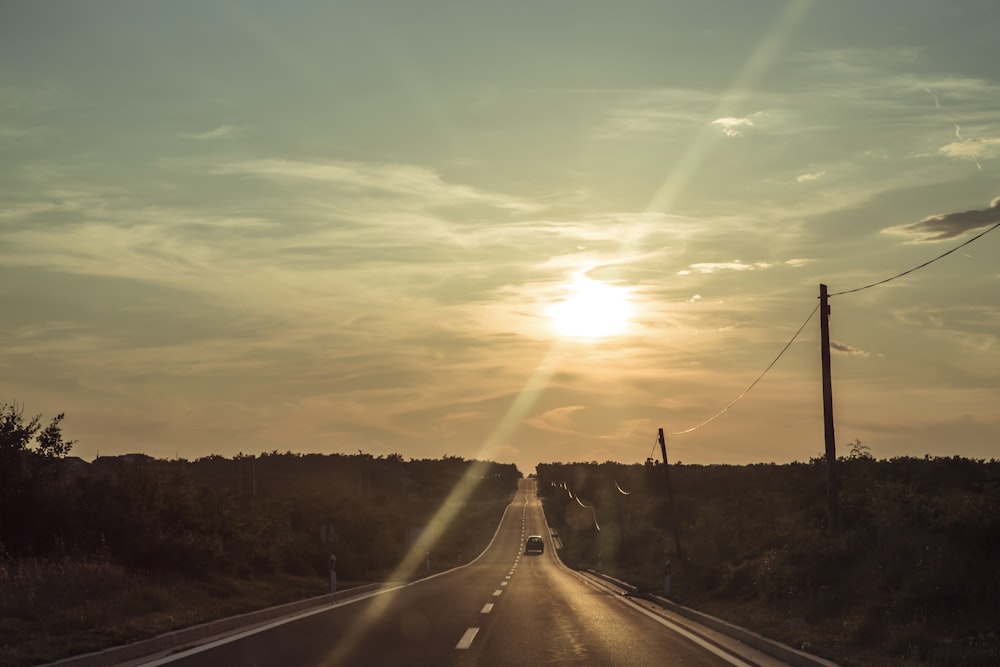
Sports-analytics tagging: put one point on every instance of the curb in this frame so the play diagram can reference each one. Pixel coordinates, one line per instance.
(169, 640)
(772, 648)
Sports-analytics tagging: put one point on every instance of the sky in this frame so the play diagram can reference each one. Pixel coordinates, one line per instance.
(517, 231)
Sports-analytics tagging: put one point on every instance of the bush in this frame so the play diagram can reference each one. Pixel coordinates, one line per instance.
(908, 576)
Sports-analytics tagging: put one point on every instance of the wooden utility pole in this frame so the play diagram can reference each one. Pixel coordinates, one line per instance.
(672, 516)
(832, 502)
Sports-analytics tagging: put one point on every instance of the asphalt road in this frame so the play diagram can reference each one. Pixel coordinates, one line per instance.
(505, 608)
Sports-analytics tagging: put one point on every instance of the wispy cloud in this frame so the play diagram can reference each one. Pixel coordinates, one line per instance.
(641, 121)
(715, 267)
(949, 225)
(855, 64)
(217, 133)
(807, 178)
(417, 183)
(665, 112)
(980, 148)
(937, 103)
(557, 420)
(848, 350)
(733, 127)
(9, 130)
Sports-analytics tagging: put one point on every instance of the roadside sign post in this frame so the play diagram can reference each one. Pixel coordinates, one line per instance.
(333, 573)
(328, 534)
(667, 571)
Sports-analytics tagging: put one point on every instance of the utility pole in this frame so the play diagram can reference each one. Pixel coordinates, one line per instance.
(672, 516)
(832, 502)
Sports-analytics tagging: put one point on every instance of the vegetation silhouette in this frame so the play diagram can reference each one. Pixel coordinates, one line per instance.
(86, 547)
(910, 580)
(75, 536)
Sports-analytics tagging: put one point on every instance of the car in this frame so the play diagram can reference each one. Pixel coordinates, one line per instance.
(534, 543)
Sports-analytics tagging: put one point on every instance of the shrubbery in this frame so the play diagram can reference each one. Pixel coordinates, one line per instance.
(128, 547)
(910, 577)
(248, 516)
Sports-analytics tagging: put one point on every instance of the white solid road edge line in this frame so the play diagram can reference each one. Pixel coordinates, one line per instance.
(712, 648)
(732, 659)
(173, 657)
(722, 653)
(466, 640)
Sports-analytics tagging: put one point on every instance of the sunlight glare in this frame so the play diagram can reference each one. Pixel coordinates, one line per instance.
(593, 310)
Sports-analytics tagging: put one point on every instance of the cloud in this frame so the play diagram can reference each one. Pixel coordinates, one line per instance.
(937, 103)
(949, 225)
(981, 148)
(663, 112)
(848, 350)
(637, 121)
(217, 133)
(733, 127)
(418, 183)
(557, 420)
(715, 267)
(806, 178)
(10, 130)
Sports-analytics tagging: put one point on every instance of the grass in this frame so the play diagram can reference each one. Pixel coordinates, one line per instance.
(52, 609)
(851, 633)
(909, 580)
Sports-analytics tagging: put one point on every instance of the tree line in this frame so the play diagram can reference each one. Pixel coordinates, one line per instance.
(248, 515)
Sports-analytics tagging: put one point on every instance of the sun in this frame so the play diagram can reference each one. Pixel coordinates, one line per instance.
(592, 310)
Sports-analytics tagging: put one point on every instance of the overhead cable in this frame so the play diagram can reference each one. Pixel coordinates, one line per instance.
(656, 441)
(752, 384)
(916, 268)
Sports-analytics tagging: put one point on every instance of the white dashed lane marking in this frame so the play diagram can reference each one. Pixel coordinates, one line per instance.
(466, 640)
(487, 608)
(497, 593)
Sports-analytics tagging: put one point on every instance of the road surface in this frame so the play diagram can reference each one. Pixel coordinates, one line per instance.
(505, 608)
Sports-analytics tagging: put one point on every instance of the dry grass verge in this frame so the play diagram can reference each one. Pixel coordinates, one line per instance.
(52, 609)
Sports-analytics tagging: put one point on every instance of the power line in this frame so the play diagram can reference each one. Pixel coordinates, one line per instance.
(789, 343)
(752, 384)
(927, 263)
(653, 450)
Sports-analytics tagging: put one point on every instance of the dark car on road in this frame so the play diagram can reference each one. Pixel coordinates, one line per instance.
(534, 543)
